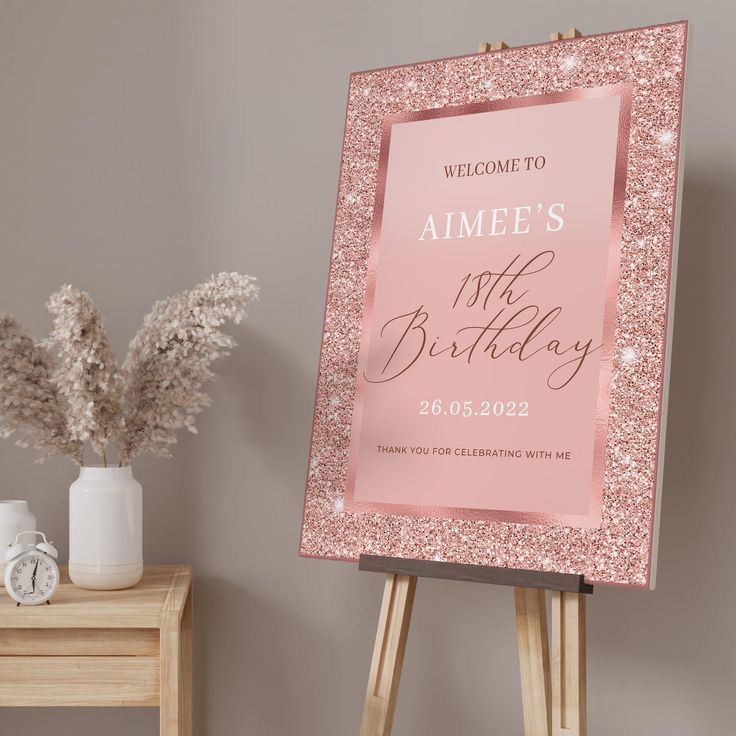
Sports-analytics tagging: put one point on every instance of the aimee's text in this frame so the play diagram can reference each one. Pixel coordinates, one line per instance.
(495, 221)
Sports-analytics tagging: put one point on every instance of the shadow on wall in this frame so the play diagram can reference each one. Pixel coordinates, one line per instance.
(673, 633)
(275, 399)
(253, 643)
(257, 428)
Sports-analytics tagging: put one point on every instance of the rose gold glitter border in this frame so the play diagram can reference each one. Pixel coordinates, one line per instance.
(592, 519)
(652, 61)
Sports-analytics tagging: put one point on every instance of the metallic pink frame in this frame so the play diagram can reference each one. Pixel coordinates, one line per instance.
(593, 517)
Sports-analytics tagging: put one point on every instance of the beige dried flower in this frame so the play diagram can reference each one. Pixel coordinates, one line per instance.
(29, 401)
(169, 360)
(86, 374)
(85, 398)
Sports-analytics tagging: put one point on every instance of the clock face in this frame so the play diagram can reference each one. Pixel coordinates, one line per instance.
(33, 578)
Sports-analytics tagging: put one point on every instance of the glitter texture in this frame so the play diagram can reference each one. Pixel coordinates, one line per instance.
(620, 551)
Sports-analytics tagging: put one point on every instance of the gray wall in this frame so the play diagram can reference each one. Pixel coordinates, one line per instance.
(144, 145)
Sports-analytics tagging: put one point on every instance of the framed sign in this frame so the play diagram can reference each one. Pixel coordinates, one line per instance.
(492, 381)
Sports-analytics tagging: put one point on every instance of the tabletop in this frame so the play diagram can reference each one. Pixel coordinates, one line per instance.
(161, 592)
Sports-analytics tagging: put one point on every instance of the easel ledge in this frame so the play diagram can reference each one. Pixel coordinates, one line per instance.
(476, 574)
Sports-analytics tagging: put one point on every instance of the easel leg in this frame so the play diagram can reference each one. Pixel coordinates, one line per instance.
(531, 632)
(388, 655)
(568, 665)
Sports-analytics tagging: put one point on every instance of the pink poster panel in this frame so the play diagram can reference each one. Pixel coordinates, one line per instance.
(490, 311)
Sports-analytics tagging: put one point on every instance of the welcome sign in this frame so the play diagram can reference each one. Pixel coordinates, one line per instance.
(495, 343)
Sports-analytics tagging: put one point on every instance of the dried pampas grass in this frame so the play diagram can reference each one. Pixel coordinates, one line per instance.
(57, 407)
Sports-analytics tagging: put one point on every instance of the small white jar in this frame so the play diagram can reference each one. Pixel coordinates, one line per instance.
(14, 519)
(105, 529)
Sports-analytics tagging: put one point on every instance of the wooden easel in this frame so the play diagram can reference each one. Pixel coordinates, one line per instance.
(552, 686)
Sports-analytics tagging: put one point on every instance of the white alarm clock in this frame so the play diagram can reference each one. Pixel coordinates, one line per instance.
(31, 575)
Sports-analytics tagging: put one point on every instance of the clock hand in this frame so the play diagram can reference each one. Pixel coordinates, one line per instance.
(33, 578)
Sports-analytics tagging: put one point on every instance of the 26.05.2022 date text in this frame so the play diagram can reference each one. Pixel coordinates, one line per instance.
(438, 407)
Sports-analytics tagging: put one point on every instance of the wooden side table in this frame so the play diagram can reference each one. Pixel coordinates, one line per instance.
(104, 648)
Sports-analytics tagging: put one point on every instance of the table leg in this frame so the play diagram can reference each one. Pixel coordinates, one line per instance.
(176, 673)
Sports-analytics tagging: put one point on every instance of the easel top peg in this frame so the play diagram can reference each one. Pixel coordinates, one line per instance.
(570, 33)
(485, 46)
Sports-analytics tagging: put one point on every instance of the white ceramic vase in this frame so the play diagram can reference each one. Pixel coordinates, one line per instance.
(14, 519)
(105, 529)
